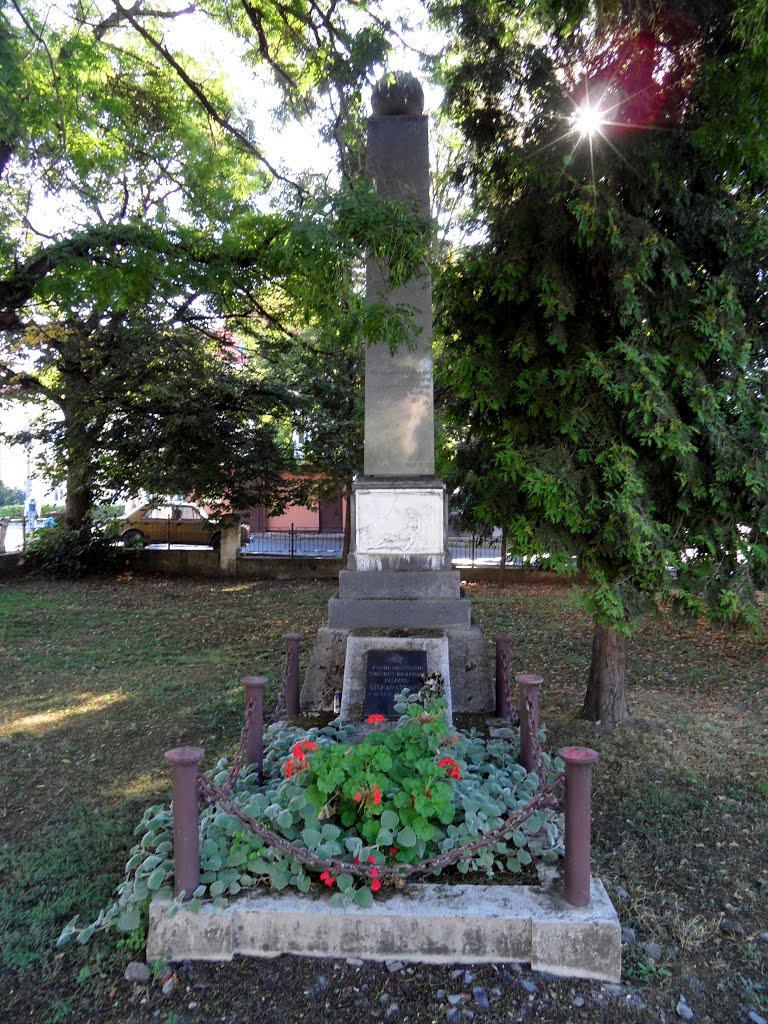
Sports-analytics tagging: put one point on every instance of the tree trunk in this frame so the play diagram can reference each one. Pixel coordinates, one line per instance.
(606, 697)
(78, 501)
(79, 475)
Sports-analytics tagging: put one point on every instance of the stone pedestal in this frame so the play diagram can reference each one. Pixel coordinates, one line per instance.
(470, 681)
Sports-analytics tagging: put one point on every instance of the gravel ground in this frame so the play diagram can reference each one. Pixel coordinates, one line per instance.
(298, 988)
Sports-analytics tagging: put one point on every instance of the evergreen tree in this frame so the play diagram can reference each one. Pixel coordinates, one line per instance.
(604, 337)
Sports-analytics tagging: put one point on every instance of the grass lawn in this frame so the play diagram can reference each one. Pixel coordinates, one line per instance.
(99, 678)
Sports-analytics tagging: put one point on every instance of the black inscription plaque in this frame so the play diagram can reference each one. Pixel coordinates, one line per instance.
(387, 673)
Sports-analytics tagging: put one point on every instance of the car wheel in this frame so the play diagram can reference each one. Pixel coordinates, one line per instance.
(131, 537)
(216, 541)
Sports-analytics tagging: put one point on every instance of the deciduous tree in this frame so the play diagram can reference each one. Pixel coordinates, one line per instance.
(142, 217)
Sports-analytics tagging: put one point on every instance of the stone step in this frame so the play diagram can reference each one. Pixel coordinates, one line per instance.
(425, 923)
(391, 613)
(430, 584)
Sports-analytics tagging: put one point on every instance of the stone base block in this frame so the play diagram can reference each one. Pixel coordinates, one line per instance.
(423, 924)
(437, 584)
(473, 688)
(390, 613)
(325, 672)
(473, 684)
(354, 691)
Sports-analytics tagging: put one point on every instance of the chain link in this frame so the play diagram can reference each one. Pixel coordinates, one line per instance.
(533, 732)
(514, 715)
(546, 797)
(512, 712)
(237, 763)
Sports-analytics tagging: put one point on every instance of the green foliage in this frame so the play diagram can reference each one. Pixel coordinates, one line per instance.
(604, 359)
(176, 231)
(10, 495)
(400, 796)
(11, 512)
(68, 553)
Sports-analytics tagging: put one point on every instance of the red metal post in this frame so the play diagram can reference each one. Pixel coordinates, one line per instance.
(291, 676)
(530, 752)
(186, 831)
(503, 709)
(578, 823)
(254, 697)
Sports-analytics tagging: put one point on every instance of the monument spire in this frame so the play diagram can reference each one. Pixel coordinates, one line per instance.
(399, 405)
(399, 575)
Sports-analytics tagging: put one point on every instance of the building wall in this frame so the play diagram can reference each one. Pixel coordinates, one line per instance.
(298, 516)
(329, 517)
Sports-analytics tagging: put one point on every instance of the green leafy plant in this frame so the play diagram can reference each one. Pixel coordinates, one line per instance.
(647, 971)
(68, 553)
(410, 791)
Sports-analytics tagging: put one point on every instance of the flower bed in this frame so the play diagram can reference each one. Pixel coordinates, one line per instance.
(411, 798)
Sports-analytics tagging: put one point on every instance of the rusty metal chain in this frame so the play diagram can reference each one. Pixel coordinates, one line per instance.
(279, 713)
(237, 763)
(545, 797)
(514, 714)
(533, 732)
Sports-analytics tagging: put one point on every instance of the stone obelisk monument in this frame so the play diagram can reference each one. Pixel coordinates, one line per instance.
(399, 579)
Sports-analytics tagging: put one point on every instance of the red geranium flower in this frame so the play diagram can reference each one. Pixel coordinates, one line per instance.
(451, 766)
(377, 719)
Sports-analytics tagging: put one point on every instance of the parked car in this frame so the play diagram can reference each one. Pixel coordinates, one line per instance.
(177, 523)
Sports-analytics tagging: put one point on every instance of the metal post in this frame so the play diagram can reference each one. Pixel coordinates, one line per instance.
(291, 675)
(293, 540)
(503, 708)
(578, 823)
(254, 697)
(530, 752)
(186, 831)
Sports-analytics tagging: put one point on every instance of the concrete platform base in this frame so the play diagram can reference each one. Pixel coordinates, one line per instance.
(422, 924)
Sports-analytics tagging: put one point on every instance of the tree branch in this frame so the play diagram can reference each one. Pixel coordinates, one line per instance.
(255, 19)
(18, 288)
(199, 93)
(115, 20)
(11, 380)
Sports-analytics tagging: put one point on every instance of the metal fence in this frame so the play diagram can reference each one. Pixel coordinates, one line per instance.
(293, 543)
(466, 550)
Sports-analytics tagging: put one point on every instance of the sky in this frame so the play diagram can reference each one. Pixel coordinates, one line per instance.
(13, 460)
